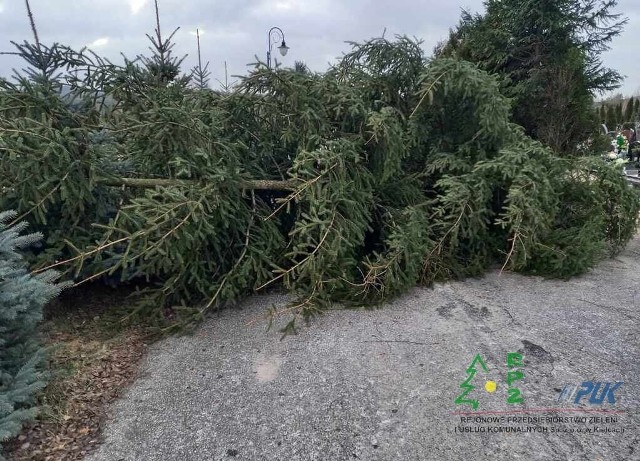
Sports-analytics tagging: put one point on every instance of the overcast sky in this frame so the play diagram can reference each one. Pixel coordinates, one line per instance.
(236, 30)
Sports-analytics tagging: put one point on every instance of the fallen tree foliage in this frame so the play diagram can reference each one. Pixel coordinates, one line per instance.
(351, 186)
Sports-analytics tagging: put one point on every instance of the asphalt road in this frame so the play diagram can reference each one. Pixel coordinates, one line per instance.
(382, 384)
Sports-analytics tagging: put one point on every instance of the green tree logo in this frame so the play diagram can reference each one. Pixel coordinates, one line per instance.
(467, 387)
(514, 374)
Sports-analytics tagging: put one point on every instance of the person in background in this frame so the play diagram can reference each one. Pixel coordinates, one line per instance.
(621, 145)
(626, 134)
(634, 146)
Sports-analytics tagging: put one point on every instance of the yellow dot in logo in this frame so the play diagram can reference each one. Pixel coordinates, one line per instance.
(490, 387)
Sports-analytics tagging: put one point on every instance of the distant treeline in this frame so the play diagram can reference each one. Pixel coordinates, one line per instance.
(618, 111)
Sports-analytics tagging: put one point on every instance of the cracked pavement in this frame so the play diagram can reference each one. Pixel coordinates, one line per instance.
(381, 384)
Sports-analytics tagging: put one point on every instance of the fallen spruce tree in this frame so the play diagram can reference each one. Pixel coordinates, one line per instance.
(351, 186)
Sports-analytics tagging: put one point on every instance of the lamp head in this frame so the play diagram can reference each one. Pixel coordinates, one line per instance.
(283, 48)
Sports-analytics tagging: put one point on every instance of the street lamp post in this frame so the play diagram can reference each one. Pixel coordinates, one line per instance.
(275, 35)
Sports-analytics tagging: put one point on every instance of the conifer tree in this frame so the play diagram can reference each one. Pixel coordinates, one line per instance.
(628, 110)
(619, 114)
(301, 67)
(22, 297)
(611, 118)
(548, 55)
(200, 74)
(349, 186)
(162, 66)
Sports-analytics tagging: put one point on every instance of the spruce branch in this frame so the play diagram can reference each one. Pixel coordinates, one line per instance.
(32, 22)
(307, 258)
(44, 199)
(238, 261)
(298, 192)
(147, 183)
